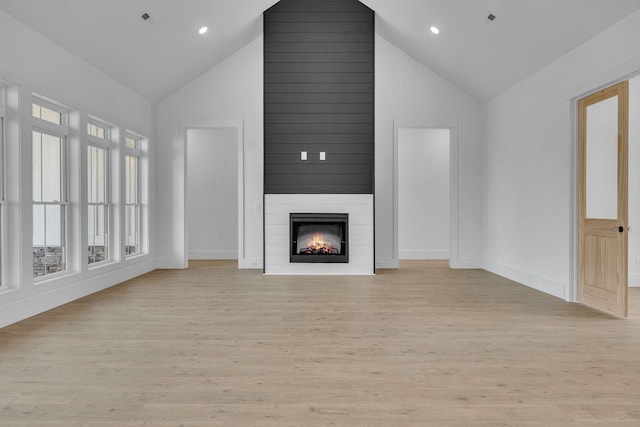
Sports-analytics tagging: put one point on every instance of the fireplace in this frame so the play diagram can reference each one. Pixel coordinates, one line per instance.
(319, 237)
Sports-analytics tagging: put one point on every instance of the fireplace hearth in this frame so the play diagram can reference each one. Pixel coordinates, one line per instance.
(319, 237)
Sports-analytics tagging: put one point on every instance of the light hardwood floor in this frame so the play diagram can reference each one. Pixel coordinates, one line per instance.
(419, 346)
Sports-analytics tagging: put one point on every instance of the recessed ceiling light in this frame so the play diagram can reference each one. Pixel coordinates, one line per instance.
(435, 30)
(202, 30)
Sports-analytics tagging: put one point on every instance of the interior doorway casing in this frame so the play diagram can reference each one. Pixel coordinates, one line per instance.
(238, 126)
(454, 255)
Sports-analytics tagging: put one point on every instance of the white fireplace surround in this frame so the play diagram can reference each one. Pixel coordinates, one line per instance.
(277, 208)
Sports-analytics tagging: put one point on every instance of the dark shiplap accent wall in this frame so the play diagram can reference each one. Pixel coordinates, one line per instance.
(319, 96)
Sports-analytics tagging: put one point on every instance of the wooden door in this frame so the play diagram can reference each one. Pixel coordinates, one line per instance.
(602, 199)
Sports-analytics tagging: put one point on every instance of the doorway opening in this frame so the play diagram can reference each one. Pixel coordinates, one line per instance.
(213, 193)
(424, 196)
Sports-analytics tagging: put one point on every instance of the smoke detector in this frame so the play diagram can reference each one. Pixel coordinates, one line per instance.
(490, 18)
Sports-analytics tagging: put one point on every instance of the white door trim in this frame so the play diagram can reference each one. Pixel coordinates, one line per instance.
(238, 125)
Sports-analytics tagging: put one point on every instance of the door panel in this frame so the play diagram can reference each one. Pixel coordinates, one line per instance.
(603, 158)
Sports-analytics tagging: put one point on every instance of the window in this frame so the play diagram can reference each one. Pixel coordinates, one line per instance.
(97, 130)
(132, 142)
(98, 193)
(133, 205)
(49, 190)
(47, 114)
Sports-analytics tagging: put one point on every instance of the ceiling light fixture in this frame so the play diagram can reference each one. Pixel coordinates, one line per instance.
(435, 30)
(203, 30)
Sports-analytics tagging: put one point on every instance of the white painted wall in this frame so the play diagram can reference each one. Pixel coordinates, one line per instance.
(409, 93)
(423, 193)
(233, 90)
(634, 181)
(530, 172)
(31, 60)
(212, 193)
(30, 63)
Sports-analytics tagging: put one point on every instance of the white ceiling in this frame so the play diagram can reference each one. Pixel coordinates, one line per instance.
(484, 60)
(157, 57)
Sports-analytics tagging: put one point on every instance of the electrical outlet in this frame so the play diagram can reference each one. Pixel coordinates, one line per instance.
(379, 263)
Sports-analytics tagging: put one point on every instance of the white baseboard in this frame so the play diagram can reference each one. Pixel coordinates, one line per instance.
(533, 281)
(24, 308)
(394, 263)
(250, 263)
(391, 263)
(216, 254)
(171, 264)
(174, 264)
(634, 280)
(465, 263)
(424, 254)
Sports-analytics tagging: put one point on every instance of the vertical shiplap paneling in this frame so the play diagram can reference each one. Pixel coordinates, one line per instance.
(319, 97)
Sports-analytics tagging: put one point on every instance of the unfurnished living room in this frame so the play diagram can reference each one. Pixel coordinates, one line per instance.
(320, 212)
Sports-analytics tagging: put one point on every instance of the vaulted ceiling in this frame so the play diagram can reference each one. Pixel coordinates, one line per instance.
(157, 57)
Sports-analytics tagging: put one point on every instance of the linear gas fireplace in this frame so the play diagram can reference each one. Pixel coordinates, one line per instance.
(319, 237)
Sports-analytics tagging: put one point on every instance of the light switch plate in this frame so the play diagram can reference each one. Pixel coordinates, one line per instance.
(323, 155)
(303, 155)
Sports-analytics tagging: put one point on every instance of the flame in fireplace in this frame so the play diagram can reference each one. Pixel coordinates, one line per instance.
(317, 242)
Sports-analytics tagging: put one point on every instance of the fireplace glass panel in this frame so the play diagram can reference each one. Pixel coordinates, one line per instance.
(319, 238)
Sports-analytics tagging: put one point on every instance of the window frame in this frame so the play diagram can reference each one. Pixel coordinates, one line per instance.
(105, 144)
(136, 153)
(59, 131)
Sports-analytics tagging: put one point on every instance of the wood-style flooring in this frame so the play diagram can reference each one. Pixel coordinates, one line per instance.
(418, 346)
